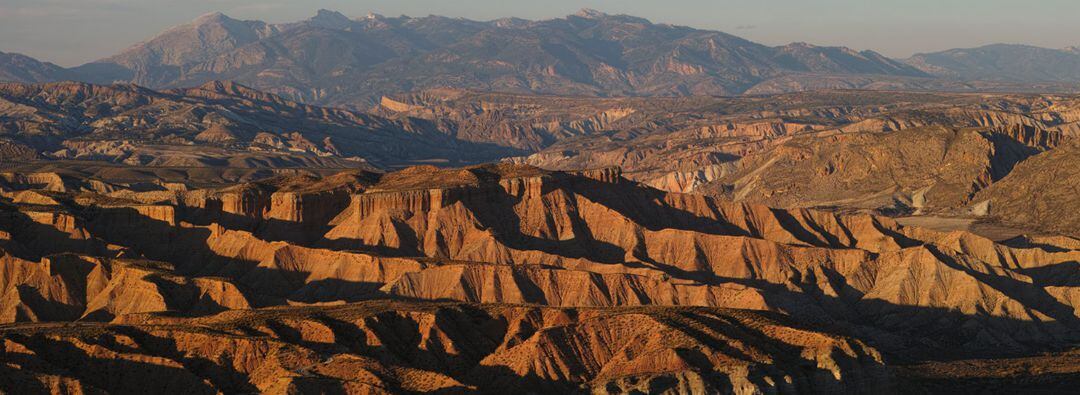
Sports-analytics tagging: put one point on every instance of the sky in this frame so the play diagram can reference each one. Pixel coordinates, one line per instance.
(72, 32)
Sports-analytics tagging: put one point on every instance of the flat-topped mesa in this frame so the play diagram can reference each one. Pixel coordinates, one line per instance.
(427, 188)
(313, 207)
(288, 198)
(431, 177)
(125, 218)
(1033, 136)
(62, 222)
(314, 201)
(611, 174)
(20, 181)
(163, 213)
(248, 202)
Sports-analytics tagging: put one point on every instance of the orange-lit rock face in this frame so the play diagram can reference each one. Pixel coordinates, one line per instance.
(494, 277)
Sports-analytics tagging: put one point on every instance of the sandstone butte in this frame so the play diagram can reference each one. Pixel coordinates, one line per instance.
(499, 278)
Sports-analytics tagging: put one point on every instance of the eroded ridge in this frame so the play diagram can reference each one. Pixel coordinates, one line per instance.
(429, 279)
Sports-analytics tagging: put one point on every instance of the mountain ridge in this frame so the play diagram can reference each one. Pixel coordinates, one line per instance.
(21, 68)
(330, 59)
(1004, 62)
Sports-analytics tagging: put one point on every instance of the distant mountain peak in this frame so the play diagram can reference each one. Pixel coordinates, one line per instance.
(325, 13)
(330, 19)
(210, 17)
(590, 13)
(511, 22)
(22, 68)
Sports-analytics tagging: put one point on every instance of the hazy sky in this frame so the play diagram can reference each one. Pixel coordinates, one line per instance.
(72, 32)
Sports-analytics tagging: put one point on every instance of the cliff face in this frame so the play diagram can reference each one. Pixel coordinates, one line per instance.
(563, 281)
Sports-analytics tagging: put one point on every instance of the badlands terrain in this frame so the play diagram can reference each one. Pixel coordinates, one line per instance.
(500, 277)
(970, 160)
(587, 204)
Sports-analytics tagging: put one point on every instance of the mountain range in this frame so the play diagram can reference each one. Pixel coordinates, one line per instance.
(330, 59)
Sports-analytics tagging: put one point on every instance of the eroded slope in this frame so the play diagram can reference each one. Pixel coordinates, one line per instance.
(631, 268)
